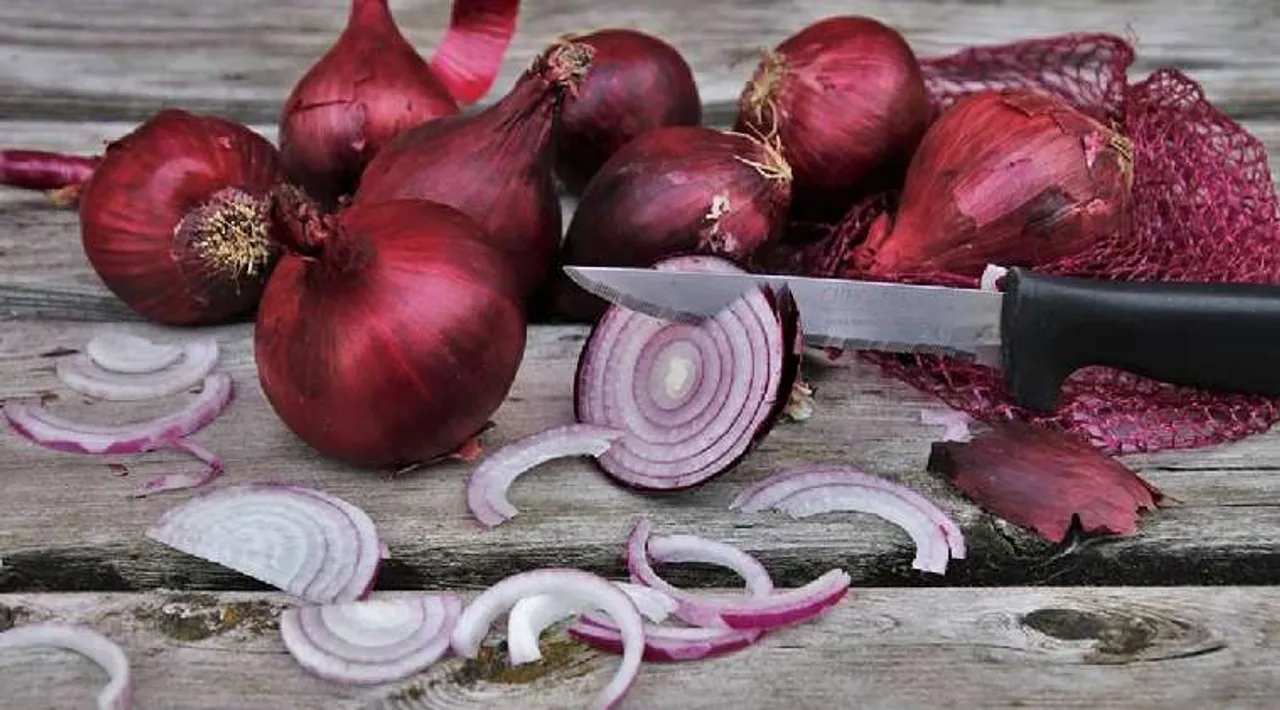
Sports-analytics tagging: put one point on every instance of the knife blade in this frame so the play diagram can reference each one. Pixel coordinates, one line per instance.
(1039, 329)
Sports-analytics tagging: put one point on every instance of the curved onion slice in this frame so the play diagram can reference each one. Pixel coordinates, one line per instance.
(301, 540)
(117, 695)
(801, 492)
(166, 482)
(83, 375)
(693, 398)
(130, 354)
(991, 276)
(531, 616)
(480, 614)
(37, 424)
(487, 486)
(665, 643)
(374, 641)
(954, 422)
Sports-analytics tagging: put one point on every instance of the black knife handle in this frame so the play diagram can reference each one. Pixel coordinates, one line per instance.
(1219, 336)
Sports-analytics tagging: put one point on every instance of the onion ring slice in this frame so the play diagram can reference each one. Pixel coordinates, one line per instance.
(82, 374)
(531, 616)
(128, 354)
(118, 693)
(665, 643)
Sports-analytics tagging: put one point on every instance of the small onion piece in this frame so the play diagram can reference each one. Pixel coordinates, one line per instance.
(130, 354)
(164, 483)
(37, 424)
(377, 640)
(82, 374)
(487, 486)
(490, 604)
(118, 693)
(990, 280)
(665, 643)
(955, 423)
(531, 616)
(789, 607)
(806, 491)
(303, 541)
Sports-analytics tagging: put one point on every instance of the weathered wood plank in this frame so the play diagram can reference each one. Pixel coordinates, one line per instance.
(1227, 530)
(888, 648)
(240, 57)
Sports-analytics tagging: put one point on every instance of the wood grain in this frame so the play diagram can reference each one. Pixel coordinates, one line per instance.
(896, 649)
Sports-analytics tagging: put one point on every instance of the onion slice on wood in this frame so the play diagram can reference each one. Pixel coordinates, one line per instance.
(531, 616)
(34, 422)
(665, 643)
(301, 540)
(498, 599)
(118, 693)
(130, 354)
(166, 482)
(488, 484)
(805, 491)
(82, 374)
(381, 639)
(955, 423)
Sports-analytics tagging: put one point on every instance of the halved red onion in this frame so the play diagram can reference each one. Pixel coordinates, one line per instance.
(166, 482)
(665, 643)
(82, 374)
(805, 491)
(130, 354)
(385, 638)
(954, 422)
(487, 486)
(301, 540)
(118, 693)
(37, 424)
(692, 398)
(531, 616)
(498, 599)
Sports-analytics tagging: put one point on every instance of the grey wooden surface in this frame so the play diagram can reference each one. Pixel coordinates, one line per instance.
(74, 73)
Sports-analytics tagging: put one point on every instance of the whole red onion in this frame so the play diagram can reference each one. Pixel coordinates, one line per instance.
(1015, 178)
(389, 333)
(175, 218)
(495, 166)
(674, 191)
(637, 83)
(848, 100)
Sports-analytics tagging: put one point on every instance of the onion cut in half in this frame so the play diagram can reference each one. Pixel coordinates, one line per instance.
(693, 398)
(377, 640)
(489, 605)
(488, 484)
(118, 693)
(303, 541)
(116, 351)
(531, 616)
(37, 424)
(804, 491)
(665, 643)
(82, 374)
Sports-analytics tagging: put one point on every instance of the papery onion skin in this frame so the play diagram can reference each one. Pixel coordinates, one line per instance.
(368, 88)
(175, 220)
(469, 57)
(637, 83)
(849, 103)
(495, 166)
(390, 334)
(674, 191)
(1015, 178)
(43, 170)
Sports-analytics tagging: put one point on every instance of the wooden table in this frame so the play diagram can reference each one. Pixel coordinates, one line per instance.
(1169, 618)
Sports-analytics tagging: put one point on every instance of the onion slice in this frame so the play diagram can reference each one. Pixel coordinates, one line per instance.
(82, 374)
(377, 640)
(34, 422)
(118, 693)
(955, 423)
(488, 484)
(806, 491)
(665, 643)
(490, 604)
(789, 607)
(164, 483)
(130, 354)
(469, 56)
(301, 540)
(531, 616)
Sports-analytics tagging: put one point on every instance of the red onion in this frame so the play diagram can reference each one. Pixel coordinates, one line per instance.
(82, 374)
(693, 399)
(390, 332)
(1015, 178)
(495, 166)
(637, 83)
(673, 191)
(849, 104)
(62, 176)
(166, 482)
(469, 57)
(118, 693)
(127, 354)
(665, 643)
(531, 616)
(303, 541)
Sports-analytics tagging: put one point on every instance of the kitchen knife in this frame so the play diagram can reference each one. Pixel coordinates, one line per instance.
(1039, 329)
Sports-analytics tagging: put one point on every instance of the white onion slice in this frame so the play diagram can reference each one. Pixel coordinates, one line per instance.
(118, 693)
(166, 482)
(130, 354)
(492, 603)
(531, 616)
(488, 484)
(83, 375)
(991, 277)
(301, 540)
(805, 491)
(665, 643)
(955, 423)
(382, 639)
(37, 424)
